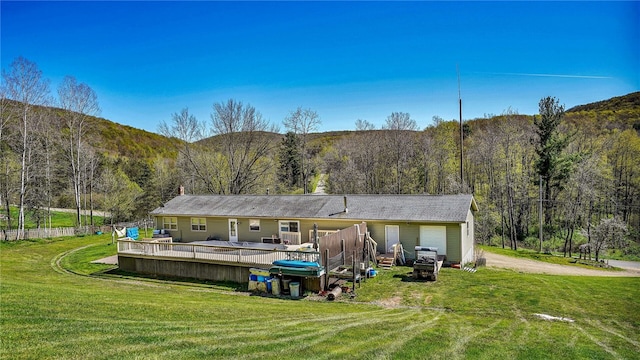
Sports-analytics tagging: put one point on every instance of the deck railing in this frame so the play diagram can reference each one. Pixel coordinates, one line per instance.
(321, 233)
(292, 238)
(229, 254)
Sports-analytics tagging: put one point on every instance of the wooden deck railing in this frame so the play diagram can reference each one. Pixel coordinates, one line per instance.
(229, 254)
(292, 238)
(321, 233)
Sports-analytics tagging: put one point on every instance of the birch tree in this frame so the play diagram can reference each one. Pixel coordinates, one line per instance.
(80, 102)
(25, 84)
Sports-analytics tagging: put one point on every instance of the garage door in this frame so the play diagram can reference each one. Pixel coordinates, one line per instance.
(434, 236)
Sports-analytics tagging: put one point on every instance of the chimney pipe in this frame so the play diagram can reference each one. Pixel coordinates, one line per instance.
(346, 210)
(181, 190)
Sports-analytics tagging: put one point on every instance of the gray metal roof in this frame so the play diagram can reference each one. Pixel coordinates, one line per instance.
(419, 208)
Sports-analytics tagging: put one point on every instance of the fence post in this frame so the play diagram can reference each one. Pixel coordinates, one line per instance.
(353, 271)
(326, 268)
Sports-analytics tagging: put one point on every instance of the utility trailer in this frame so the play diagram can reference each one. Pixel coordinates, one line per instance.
(427, 264)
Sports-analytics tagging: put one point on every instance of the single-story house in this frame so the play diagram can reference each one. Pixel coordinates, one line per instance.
(442, 221)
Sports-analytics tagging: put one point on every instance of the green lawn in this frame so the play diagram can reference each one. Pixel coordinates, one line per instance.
(58, 219)
(50, 307)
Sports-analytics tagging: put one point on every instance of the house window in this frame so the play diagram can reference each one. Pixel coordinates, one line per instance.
(289, 226)
(254, 224)
(170, 223)
(198, 224)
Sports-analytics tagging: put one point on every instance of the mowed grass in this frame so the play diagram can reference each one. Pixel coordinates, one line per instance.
(58, 219)
(52, 308)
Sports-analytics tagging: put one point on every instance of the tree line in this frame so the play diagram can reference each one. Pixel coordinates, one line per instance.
(571, 171)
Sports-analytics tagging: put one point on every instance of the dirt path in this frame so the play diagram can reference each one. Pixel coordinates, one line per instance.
(540, 267)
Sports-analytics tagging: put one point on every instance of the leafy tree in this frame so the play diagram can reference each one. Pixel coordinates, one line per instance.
(552, 165)
(302, 122)
(120, 194)
(290, 161)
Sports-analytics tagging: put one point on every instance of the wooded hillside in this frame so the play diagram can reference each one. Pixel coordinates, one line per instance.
(581, 166)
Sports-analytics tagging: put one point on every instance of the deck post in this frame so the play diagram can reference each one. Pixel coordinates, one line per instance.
(326, 268)
(353, 271)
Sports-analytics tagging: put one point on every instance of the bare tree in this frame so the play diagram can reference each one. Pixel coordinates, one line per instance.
(24, 83)
(400, 130)
(607, 234)
(580, 189)
(245, 144)
(80, 102)
(192, 158)
(364, 125)
(302, 122)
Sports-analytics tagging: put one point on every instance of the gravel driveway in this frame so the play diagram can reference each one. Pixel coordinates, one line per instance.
(540, 267)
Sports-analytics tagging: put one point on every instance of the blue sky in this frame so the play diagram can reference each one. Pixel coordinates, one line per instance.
(345, 60)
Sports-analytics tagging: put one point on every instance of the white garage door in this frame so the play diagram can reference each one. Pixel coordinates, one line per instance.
(434, 236)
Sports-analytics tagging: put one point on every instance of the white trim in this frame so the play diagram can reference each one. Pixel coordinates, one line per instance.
(387, 245)
(198, 224)
(233, 230)
(288, 226)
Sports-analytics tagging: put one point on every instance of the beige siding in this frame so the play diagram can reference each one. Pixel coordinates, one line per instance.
(467, 234)
(459, 245)
(454, 250)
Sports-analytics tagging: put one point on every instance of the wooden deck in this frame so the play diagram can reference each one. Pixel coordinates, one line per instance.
(218, 254)
(161, 257)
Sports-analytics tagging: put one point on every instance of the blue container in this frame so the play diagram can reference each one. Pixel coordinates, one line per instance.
(261, 278)
(372, 273)
(268, 285)
(253, 277)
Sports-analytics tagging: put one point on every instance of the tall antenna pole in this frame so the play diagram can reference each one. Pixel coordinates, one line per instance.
(461, 132)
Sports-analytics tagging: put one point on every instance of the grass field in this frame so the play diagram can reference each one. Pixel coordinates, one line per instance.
(58, 219)
(50, 307)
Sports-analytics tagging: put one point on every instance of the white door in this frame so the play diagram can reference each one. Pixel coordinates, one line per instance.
(391, 236)
(233, 230)
(434, 236)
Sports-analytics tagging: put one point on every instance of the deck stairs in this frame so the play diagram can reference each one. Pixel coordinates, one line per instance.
(390, 259)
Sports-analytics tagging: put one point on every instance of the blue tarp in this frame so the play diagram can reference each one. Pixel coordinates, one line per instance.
(296, 264)
(133, 233)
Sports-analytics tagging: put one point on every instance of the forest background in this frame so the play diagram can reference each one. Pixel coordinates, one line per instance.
(576, 171)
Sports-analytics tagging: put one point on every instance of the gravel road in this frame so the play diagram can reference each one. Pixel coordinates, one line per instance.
(540, 267)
